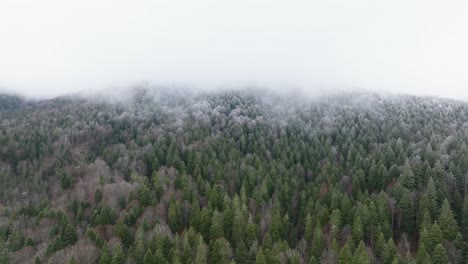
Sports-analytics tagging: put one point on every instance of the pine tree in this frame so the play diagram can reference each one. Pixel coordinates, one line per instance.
(238, 227)
(426, 221)
(312, 260)
(447, 222)
(432, 195)
(219, 252)
(465, 219)
(380, 246)
(144, 196)
(335, 222)
(407, 177)
(346, 255)
(241, 254)
(148, 259)
(358, 231)
(72, 260)
(216, 230)
(118, 256)
(69, 236)
(276, 229)
(122, 231)
(318, 242)
(360, 255)
(390, 251)
(105, 257)
(159, 257)
(435, 237)
(16, 240)
(260, 259)
(174, 216)
(408, 216)
(98, 195)
(309, 227)
(440, 256)
(422, 256)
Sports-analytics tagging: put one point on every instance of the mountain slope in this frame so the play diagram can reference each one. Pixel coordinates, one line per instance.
(238, 176)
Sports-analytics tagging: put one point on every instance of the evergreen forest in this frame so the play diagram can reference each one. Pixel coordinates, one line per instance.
(233, 176)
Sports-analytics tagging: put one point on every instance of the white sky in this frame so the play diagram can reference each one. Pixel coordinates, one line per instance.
(52, 47)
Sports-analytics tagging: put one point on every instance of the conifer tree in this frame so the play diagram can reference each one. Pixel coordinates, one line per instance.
(346, 255)
(118, 256)
(360, 255)
(105, 257)
(423, 257)
(390, 251)
(440, 255)
(447, 222)
(435, 237)
(407, 177)
(358, 231)
(260, 259)
(464, 223)
(148, 258)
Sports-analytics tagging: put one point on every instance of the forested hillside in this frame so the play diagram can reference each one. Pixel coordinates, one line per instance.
(233, 177)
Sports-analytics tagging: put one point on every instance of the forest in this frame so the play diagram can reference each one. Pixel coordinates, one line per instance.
(233, 176)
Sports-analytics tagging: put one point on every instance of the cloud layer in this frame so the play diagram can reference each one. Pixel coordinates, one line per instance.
(53, 47)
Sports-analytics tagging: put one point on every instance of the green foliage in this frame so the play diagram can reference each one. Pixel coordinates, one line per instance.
(118, 256)
(346, 256)
(360, 255)
(358, 230)
(435, 237)
(174, 216)
(17, 240)
(464, 223)
(98, 195)
(390, 251)
(72, 260)
(423, 256)
(237, 176)
(447, 222)
(144, 196)
(439, 256)
(260, 259)
(105, 257)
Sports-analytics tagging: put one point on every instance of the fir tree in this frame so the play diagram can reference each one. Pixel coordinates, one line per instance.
(447, 222)
(440, 256)
(360, 255)
(346, 255)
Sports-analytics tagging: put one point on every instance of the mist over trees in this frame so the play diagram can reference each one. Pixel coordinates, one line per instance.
(237, 176)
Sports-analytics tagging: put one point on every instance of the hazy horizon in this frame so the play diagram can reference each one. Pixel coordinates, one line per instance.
(51, 48)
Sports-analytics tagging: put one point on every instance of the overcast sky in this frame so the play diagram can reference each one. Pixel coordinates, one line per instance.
(52, 47)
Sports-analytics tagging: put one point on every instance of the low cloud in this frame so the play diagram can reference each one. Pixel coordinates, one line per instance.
(57, 47)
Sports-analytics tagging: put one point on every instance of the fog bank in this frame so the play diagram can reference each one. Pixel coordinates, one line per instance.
(57, 47)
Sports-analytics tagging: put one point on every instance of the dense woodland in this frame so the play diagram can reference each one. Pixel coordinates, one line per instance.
(233, 177)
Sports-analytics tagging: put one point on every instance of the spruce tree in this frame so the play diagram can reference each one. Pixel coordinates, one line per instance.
(447, 222)
(118, 257)
(260, 259)
(464, 223)
(358, 231)
(440, 255)
(422, 256)
(346, 255)
(360, 255)
(105, 257)
(390, 251)
(435, 237)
